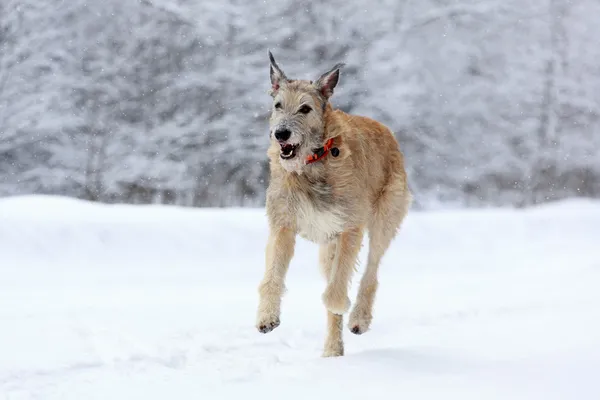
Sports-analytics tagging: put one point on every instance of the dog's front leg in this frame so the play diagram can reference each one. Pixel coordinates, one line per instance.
(279, 252)
(335, 297)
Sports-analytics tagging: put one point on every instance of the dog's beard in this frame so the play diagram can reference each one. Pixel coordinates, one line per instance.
(296, 163)
(293, 154)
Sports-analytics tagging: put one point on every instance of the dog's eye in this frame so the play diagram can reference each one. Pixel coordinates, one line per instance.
(278, 105)
(305, 109)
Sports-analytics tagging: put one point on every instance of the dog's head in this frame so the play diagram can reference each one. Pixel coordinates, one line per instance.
(297, 117)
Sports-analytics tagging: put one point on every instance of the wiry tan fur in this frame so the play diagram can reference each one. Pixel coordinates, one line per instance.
(332, 202)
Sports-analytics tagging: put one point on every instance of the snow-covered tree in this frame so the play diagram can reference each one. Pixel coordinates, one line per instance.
(494, 102)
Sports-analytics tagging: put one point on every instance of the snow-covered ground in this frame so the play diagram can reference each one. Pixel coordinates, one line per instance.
(146, 302)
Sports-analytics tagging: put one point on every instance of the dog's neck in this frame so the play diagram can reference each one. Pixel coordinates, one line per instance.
(329, 137)
(333, 127)
(329, 123)
(321, 152)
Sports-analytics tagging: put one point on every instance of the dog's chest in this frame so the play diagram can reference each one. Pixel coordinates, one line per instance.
(318, 218)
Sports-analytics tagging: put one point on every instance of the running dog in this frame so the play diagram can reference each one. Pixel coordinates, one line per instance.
(333, 177)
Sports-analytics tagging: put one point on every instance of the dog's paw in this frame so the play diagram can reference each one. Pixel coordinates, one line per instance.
(359, 321)
(267, 324)
(335, 302)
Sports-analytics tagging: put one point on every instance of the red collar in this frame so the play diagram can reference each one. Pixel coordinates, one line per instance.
(322, 152)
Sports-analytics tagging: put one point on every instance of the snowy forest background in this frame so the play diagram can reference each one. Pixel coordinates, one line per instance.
(494, 102)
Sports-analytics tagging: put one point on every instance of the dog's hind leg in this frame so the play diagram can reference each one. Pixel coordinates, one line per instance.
(347, 247)
(388, 213)
(279, 252)
(334, 343)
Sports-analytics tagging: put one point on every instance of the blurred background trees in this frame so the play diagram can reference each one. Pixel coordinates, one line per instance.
(164, 101)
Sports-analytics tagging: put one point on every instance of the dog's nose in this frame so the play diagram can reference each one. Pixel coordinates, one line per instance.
(282, 134)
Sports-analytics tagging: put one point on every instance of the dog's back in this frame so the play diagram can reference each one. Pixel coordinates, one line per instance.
(373, 157)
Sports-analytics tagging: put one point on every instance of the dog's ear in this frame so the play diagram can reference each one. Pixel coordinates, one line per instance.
(277, 75)
(327, 82)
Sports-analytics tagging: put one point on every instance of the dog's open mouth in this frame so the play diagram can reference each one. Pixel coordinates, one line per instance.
(288, 151)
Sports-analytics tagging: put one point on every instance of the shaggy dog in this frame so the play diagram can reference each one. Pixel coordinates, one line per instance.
(333, 177)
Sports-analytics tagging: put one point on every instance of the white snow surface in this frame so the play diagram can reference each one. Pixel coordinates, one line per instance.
(157, 302)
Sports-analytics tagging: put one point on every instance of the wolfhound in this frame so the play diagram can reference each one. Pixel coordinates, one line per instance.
(333, 176)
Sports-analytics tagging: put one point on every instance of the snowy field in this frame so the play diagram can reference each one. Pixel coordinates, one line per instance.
(146, 302)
